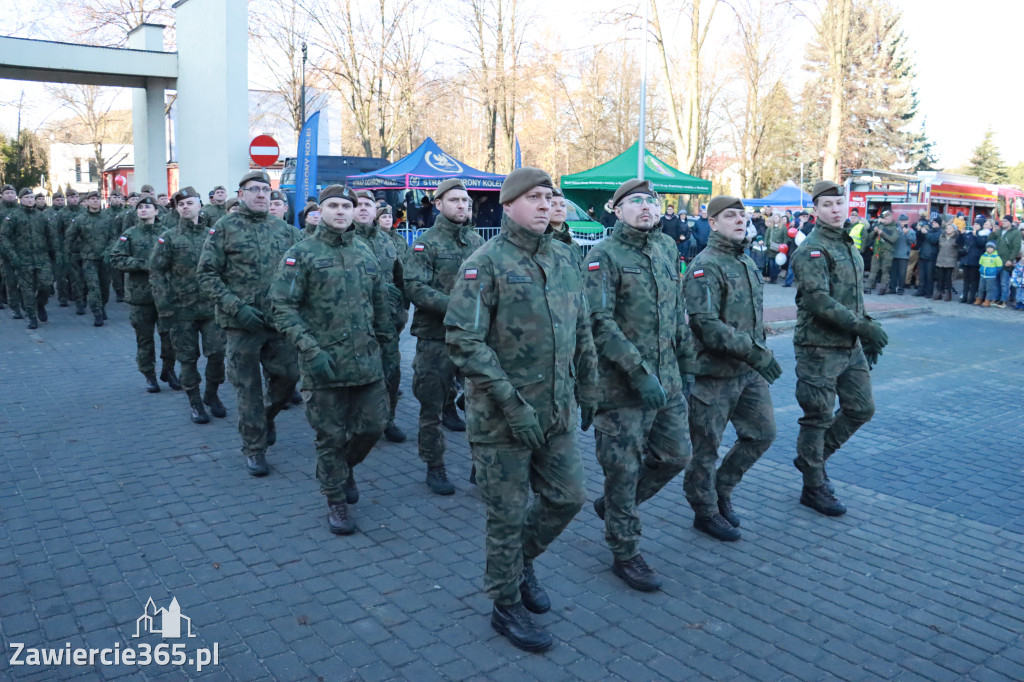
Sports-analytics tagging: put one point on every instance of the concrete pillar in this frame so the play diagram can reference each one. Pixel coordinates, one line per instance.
(213, 92)
(148, 131)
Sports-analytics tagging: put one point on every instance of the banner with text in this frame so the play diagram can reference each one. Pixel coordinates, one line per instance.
(305, 164)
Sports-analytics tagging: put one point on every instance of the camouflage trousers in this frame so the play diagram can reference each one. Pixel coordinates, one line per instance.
(96, 275)
(246, 353)
(432, 376)
(11, 285)
(348, 422)
(144, 321)
(117, 279)
(62, 280)
(880, 269)
(822, 374)
(640, 451)
(520, 528)
(185, 335)
(744, 400)
(391, 360)
(35, 285)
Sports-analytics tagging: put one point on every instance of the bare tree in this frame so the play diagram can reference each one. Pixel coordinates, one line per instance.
(103, 22)
(833, 29)
(92, 107)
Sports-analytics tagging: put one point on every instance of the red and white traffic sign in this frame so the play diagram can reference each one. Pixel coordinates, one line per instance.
(264, 151)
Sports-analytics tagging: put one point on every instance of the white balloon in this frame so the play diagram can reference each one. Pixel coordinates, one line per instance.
(799, 238)
(780, 259)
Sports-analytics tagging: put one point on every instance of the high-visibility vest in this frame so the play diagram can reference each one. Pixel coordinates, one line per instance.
(855, 233)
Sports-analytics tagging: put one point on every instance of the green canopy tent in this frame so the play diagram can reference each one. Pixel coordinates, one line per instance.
(595, 186)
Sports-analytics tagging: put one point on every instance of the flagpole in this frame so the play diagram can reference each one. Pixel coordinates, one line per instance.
(643, 99)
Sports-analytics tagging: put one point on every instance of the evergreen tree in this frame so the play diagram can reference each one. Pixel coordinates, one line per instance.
(987, 163)
(23, 160)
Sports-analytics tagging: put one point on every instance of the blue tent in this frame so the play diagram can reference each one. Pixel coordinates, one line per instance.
(786, 196)
(425, 168)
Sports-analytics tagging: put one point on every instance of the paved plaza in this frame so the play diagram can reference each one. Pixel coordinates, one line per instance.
(110, 497)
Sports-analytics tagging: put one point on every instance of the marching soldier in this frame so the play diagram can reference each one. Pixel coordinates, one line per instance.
(724, 294)
(885, 237)
(518, 327)
(9, 202)
(329, 298)
(116, 210)
(644, 349)
(88, 240)
(185, 310)
(430, 270)
(278, 204)
(215, 210)
(236, 267)
(835, 342)
(29, 243)
(69, 272)
(130, 254)
(561, 230)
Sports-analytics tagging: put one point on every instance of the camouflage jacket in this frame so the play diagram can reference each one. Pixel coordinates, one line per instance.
(328, 293)
(725, 296)
(173, 276)
(63, 219)
(565, 237)
(638, 313)
(27, 234)
(401, 245)
(518, 323)
(130, 254)
(213, 213)
(384, 249)
(829, 298)
(430, 269)
(7, 206)
(885, 241)
(239, 260)
(90, 236)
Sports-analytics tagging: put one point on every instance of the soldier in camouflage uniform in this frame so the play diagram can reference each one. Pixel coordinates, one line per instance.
(518, 327)
(330, 298)
(188, 313)
(130, 254)
(8, 203)
(391, 272)
(560, 229)
(89, 239)
(215, 210)
(69, 273)
(836, 344)
(236, 267)
(725, 296)
(644, 347)
(886, 234)
(116, 209)
(29, 243)
(430, 270)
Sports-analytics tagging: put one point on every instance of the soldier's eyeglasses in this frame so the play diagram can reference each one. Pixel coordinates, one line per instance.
(639, 201)
(258, 190)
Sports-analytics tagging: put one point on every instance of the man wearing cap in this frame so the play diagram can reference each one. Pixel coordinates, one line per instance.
(9, 202)
(329, 298)
(835, 343)
(906, 238)
(89, 240)
(1008, 240)
(885, 236)
(116, 209)
(725, 297)
(560, 230)
(518, 327)
(130, 254)
(644, 350)
(215, 209)
(187, 313)
(235, 268)
(701, 231)
(163, 202)
(430, 271)
(39, 201)
(368, 231)
(29, 243)
(279, 204)
(68, 272)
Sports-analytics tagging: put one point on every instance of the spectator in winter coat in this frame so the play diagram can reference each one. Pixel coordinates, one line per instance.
(945, 262)
(775, 236)
(906, 238)
(701, 232)
(971, 246)
(676, 227)
(928, 243)
(990, 265)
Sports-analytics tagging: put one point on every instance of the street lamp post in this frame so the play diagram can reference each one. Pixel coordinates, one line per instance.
(302, 105)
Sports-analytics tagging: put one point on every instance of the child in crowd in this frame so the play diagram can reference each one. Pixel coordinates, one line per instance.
(1017, 280)
(990, 264)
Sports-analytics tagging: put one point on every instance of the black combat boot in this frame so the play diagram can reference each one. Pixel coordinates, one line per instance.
(79, 308)
(437, 480)
(16, 313)
(599, 507)
(199, 415)
(535, 599)
(33, 322)
(41, 311)
(393, 433)
(637, 574)
(63, 302)
(822, 501)
(168, 376)
(271, 429)
(257, 465)
(351, 491)
(120, 297)
(451, 419)
(515, 624)
(103, 311)
(716, 526)
(824, 474)
(296, 398)
(338, 520)
(97, 319)
(727, 512)
(212, 400)
(151, 385)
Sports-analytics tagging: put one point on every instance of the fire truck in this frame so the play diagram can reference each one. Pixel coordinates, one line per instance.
(930, 193)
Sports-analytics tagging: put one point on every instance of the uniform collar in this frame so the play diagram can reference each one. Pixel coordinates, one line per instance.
(244, 210)
(459, 232)
(631, 235)
(525, 239)
(188, 224)
(562, 234)
(835, 233)
(719, 242)
(369, 231)
(333, 237)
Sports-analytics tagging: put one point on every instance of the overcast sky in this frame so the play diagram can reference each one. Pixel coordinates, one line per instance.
(967, 57)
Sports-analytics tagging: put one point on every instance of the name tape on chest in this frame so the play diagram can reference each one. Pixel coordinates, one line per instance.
(289, 261)
(419, 247)
(596, 265)
(470, 273)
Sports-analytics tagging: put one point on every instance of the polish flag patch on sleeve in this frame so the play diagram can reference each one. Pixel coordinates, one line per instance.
(123, 238)
(160, 240)
(419, 247)
(596, 265)
(698, 273)
(470, 273)
(289, 261)
(212, 230)
(815, 254)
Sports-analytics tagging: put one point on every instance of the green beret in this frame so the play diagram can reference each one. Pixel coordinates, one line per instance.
(90, 195)
(58, 193)
(40, 194)
(339, 192)
(634, 186)
(826, 188)
(147, 201)
(260, 175)
(134, 195)
(231, 201)
(72, 192)
(185, 193)
(522, 180)
(278, 195)
(365, 194)
(720, 203)
(450, 183)
(9, 188)
(147, 188)
(220, 187)
(382, 210)
(557, 192)
(25, 190)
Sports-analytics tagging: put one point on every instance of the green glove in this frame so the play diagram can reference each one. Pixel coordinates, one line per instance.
(250, 318)
(871, 353)
(587, 413)
(652, 392)
(522, 419)
(320, 365)
(872, 332)
(764, 363)
(395, 295)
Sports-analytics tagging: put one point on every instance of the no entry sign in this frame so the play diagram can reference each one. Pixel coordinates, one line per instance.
(263, 150)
